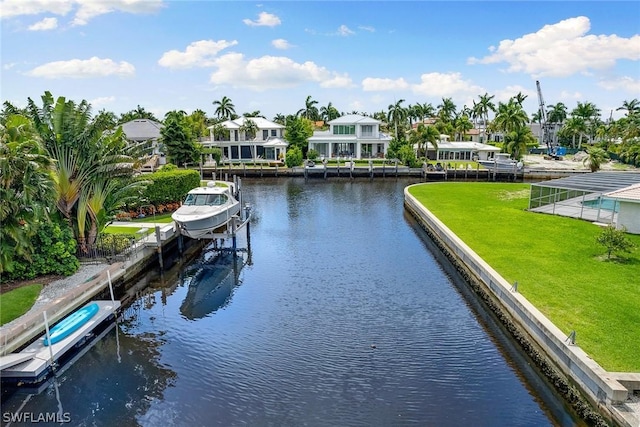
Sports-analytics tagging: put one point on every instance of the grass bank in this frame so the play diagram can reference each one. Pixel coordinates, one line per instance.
(17, 302)
(556, 261)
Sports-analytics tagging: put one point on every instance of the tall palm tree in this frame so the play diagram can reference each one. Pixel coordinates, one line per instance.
(329, 112)
(422, 135)
(397, 114)
(462, 124)
(310, 111)
(596, 157)
(482, 108)
(520, 97)
(631, 107)
(510, 116)
(446, 110)
(224, 108)
(280, 119)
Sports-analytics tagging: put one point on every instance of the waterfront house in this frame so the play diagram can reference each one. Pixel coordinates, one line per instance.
(267, 143)
(353, 136)
(147, 133)
(460, 150)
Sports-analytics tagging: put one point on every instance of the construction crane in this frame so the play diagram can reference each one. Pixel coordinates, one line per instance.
(546, 127)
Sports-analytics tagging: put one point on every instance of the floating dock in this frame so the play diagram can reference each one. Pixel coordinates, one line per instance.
(36, 361)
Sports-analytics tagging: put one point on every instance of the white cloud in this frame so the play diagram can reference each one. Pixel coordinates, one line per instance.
(45, 24)
(367, 28)
(85, 10)
(272, 72)
(446, 85)
(264, 20)
(345, 31)
(102, 101)
(371, 84)
(281, 44)
(562, 49)
(11, 8)
(198, 54)
(628, 84)
(79, 68)
(508, 92)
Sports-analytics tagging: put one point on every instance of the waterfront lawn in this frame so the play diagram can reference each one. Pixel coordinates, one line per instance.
(556, 261)
(128, 231)
(164, 218)
(17, 302)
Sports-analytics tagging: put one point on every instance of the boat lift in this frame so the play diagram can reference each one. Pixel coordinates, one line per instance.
(231, 228)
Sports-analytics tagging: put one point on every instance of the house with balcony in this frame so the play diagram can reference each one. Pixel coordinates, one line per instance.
(266, 142)
(353, 136)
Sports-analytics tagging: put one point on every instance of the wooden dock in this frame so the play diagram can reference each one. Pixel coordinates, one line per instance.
(34, 363)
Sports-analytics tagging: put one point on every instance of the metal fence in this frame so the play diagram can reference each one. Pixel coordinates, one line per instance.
(110, 248)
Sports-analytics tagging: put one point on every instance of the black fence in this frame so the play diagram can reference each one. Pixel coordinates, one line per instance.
(108, 247)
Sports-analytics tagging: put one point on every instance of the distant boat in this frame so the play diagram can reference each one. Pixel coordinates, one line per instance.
(502, 162)
(70, 324)
(206, 209)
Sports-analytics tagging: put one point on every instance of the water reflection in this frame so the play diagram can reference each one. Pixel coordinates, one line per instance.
(211, 282)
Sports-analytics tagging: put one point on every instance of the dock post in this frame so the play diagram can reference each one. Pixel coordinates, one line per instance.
(159, 248)
(113, 300)
(180, 243)
(46, 327)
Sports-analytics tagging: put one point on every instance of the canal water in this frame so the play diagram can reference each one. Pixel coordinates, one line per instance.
(339, 314)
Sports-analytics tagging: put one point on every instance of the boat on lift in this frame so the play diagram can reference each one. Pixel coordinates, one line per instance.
(502, 162)
(207, 209)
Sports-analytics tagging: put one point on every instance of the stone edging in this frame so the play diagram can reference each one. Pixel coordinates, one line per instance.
(600, 386)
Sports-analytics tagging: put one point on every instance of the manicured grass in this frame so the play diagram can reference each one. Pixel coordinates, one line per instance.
(129, 231)
(164, 218)
(555, 260)
(17, 302)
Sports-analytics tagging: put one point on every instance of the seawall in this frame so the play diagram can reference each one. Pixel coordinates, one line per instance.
(549, 348)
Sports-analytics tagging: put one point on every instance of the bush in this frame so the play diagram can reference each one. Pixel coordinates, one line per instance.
(170, 185)
(54, 253)
(312, 154)
(294, 157)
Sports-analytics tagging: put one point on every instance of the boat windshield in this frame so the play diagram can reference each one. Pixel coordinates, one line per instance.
(205, 200)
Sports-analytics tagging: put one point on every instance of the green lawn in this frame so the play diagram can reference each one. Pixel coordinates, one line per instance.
(555, 260)
(130, 231)
(164, 218)
(15, 303)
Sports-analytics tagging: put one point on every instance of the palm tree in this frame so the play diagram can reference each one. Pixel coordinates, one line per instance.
(572, 127)
(224, 108)
(482, 109)
(250, 129)
(446, 110)
(596, 157)
(138, 113)
(397, 114)
(255, 113)
(520, 97)
(510, 116)
(557, 113)
(422, 135)
(518, 140)
(329, 113)
(310, 111)
(631, 107)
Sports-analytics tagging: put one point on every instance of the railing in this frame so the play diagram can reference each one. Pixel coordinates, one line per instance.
(112, 248)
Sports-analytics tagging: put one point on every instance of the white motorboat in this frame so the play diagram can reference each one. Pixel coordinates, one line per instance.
(206, 209)
(502, 162)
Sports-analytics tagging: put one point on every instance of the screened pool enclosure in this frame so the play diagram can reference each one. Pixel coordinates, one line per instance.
(582, 196)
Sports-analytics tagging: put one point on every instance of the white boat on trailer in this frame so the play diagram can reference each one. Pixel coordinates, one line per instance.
(207, 210)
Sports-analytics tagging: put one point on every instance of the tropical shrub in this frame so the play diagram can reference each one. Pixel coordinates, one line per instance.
(54, 253)
(168, 185)
(614, 240)
(312, 154)
(294, 157)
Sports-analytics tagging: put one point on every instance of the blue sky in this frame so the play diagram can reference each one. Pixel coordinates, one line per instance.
(360, 55)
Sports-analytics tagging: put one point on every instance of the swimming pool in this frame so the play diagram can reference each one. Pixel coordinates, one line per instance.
(603, 203)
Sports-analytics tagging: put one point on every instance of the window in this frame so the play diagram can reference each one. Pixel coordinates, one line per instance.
(265, 134)
(367, 130)
(344, 129)
(274, 132)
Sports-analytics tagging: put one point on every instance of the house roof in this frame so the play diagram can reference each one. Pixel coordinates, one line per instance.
(275, 142)
(352, 119)
(142, 129)
(631, 193)
(259, 121)
(595, 182)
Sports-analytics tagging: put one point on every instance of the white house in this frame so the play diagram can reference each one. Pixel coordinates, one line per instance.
(629, 207)
(267, 144)
(351, 136)
(145, 131)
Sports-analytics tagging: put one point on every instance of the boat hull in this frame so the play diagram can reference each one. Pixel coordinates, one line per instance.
(70, 324)
(197, 224)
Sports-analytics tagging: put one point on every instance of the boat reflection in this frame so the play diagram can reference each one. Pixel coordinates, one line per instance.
(211, 282)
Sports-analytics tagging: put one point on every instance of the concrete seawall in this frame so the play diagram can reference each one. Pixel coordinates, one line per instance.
(602, 388)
